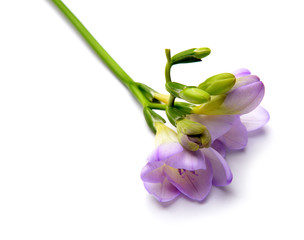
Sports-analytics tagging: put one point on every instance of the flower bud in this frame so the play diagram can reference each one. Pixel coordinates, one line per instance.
(194, 95)
(202, 52)
(192, 135)
(188, 93)
(189, 127)
(218, 84)
(190, 55)
(187, 143)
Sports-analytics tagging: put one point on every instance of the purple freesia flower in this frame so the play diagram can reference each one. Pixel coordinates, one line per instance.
(172, 169)
(235, 135)
(245, 96)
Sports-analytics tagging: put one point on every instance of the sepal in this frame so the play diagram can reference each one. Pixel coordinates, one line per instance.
(174, 114)
(175, 88)
(147, 92)
(152, 118)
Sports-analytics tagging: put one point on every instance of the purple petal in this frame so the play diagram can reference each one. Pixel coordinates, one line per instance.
(244, 99)
(219, 147)
(189, 160)
(237, 137)
(241, 72)
(242, 81)
(255, 119)
(194, 184)
(153, 172)
(168, 149)
(217, 125)
(163, 191)
(165, 151)
(222, 175)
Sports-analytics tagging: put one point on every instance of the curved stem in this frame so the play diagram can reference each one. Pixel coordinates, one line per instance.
(168, 75)
(101, 52)
(168, 65)
(167, 72)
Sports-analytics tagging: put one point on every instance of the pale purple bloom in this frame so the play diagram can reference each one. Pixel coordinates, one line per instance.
(245, 96)
(172, 170)
(231, 131)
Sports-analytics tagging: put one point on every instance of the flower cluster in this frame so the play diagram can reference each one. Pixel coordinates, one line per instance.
(215, 116)
(183, 162)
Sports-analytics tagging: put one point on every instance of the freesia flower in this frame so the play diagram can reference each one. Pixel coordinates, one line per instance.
(246, 94)
(231, 131)
(172, 170)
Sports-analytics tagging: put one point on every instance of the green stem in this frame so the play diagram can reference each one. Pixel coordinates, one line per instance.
(157, 106)
(101, 52)
(168, 75)
(168, 66)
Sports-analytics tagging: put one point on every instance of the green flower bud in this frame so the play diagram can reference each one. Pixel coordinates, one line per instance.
(194, 95)
(187, 143)
(188, 93)
(218, 84)
(189, 127)
(152, 118)
(192, 135)
(190, 55)
(202, 52)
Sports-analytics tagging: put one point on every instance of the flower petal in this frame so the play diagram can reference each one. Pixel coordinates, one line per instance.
(245, 80)
(243, 99)
(222, 174)
(194, 184)
(241, 72)
(164, 134)
(153, 172)
(217, 125)
(255, 119)
(237, 137)
(163, 191)
(168, 149)
(219, 147)
(189, 160)
(165, 151)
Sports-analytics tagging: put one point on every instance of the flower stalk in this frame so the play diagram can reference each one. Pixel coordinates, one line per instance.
(123, 77)
(215, 117)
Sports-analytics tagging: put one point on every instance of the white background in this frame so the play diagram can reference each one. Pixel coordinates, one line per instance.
(73, 140)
